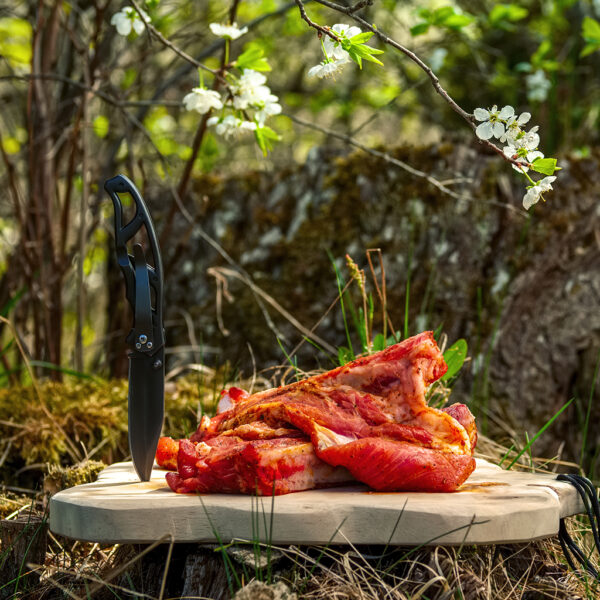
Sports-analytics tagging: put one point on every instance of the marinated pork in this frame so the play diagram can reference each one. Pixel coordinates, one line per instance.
(366, 420)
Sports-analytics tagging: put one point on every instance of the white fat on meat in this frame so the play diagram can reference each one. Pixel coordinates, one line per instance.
(327, 438)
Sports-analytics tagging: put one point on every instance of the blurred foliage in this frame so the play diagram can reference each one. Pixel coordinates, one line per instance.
(537, 55)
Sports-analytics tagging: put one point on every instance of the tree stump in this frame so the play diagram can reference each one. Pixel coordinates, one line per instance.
(23, 541)
(205, 575)
(190, 570)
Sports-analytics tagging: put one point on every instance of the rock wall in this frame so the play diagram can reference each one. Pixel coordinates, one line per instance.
(523, 289)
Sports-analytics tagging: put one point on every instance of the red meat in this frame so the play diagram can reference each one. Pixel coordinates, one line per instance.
(369, 416)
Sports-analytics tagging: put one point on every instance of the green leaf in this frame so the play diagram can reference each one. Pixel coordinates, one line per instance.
(361, 51)
(252, 58)
(441, 14)
(547, 166)
(588, 49)
(264, 138)
(15, 41)
(457, 21)
(11, 145)
(355, 57)
(361, 38)
(506, 12)
(345, 355)
(379, 342)
(455, 358)
(100, 126)
(590, 30)
(419, 29)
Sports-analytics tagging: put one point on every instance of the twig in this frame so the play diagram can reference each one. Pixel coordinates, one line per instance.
(359, 6)
(85, 198)
(163, 40)
(397, 162)
(349, 11)
(306, 332)
(104, 96)
(322, 30)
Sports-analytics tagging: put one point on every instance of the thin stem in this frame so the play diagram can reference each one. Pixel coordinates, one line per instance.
(163, 40)
(322, 30)
(395, 161)
(350, 12)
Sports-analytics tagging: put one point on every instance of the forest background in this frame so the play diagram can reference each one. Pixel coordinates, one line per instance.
(339, 213)
(378, 163)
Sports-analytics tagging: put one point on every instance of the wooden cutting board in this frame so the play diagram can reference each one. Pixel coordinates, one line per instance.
(492, 506)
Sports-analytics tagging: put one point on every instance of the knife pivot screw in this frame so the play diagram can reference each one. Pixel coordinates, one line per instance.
(143, 339)
(149, 345)
(157, 364)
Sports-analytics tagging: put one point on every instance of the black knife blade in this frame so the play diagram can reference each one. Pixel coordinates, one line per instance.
(144, 292)
(146, 409)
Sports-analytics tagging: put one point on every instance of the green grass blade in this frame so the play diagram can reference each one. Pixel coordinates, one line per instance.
(338, 279)
(293, 362)
(539, 433)
(230, 571)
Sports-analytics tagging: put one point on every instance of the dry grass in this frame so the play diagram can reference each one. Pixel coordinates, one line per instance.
(531, 571)
(94, 415)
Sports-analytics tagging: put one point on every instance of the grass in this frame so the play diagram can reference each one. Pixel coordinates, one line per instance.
(504, 572)
(77, 570)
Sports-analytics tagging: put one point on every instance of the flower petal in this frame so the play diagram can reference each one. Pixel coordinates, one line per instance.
(481, 114)
(316, 71)
(506, 112)
(523, 118)
(498, 129)
(138, 26)
(530, 198)
(531, 156)
(484, 131)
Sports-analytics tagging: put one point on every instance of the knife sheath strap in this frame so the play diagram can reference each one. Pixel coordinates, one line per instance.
(589, 496)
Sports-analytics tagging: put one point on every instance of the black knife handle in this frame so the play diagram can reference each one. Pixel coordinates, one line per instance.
(147, 335)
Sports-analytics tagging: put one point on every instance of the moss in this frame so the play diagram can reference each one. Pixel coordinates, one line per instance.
(59, 478)
(9, 503)
(67, 421)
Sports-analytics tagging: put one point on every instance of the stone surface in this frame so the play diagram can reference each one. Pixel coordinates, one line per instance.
(492, 506)
(258, 590)
(522, 288)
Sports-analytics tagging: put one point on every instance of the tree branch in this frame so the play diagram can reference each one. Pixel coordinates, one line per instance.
(163, 40)
(396, 162)
(350, 10)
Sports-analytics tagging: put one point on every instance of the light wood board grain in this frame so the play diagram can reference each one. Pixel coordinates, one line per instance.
(492, 506)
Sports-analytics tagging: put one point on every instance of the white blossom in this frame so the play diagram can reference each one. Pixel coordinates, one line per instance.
(230, 126)
(538, 86)
(127, 19)
(328, 68)
(334, 49)
(233, 32)
(513, 127)
(522, 156)
(535, 192)
(202, 100)
(250, 89)
(492, 125)
(269, 108)
(531, 139)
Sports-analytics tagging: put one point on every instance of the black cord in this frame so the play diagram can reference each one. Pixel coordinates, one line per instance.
(589, 496)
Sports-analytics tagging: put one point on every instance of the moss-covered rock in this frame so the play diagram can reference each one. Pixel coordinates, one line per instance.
(522, 288)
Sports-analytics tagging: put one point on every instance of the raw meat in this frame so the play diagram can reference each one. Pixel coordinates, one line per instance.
(369, 417)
